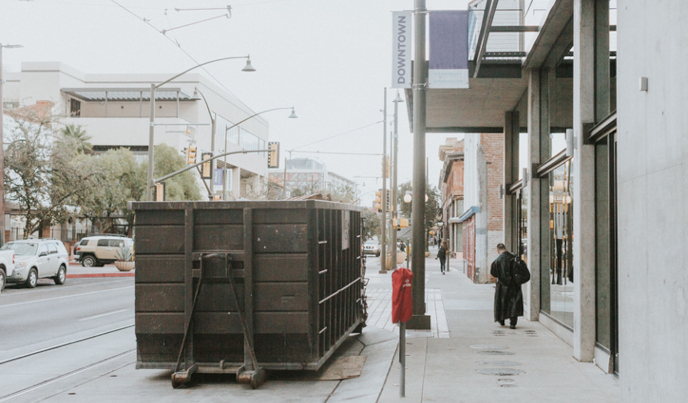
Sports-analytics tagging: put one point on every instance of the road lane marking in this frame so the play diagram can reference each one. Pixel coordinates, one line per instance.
(65, 296)
(102, 314)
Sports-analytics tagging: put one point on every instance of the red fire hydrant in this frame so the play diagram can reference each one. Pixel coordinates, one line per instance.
(402, 295)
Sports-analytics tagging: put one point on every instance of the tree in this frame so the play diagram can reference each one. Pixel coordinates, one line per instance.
(78, 137)
(372, 224)
(432, 206)
(343, 194)
(180, 187)
(40, 171)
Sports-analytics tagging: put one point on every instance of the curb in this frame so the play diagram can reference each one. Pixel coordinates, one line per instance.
(99, 275)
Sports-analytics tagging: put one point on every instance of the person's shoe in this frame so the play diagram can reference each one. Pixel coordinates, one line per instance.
(512, 326)
(443, 273)
(501, 323)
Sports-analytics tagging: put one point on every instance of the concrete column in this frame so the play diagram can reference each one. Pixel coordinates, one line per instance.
(236, 183)
(584, 184)
(510, 221)
(482, 263)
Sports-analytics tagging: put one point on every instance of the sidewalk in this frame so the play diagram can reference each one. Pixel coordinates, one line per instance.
(474, 359)
(76, 270)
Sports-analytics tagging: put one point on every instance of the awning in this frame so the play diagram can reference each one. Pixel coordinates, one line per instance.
(469, 213)
(125, 94)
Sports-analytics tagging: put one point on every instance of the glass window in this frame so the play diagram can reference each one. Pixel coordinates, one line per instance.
(117, 243)
(21, 249)
(103, 242)
(43, 249)
(52, 248)
(557, 245)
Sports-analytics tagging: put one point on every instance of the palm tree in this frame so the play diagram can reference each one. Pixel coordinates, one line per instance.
(78, 135)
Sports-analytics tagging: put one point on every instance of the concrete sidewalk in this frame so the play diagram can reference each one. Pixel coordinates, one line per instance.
(478, 360)
(76, 270)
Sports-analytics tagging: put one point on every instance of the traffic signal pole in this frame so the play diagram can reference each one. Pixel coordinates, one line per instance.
(383, 223)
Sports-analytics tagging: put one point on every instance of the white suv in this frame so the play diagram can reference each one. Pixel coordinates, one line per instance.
(100, 250)
(38, 258)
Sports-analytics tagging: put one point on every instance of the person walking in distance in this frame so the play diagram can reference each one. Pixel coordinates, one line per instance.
(508, 301)
(442, 256)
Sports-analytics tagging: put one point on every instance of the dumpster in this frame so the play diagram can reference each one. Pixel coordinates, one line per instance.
(244, 287)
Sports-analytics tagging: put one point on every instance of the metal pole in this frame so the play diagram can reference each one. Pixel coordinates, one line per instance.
(284, 182)
(2, 160)
(151, 144)
(224, 172)
(383, 224)
(212, 150)
(394, 187)
(419, 320)
(402, 359)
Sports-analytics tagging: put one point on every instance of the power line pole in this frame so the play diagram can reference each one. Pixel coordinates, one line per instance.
(383, 224)
(419, 320)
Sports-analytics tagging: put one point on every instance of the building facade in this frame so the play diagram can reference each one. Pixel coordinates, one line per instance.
(452, 195)
(307, 176)
(599, 212)
(114, 110)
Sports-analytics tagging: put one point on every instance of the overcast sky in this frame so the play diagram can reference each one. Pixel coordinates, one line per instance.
(329, 58)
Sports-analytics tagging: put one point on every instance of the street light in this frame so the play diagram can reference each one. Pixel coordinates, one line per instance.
(151, 130)
(227, 129)
(2, 156)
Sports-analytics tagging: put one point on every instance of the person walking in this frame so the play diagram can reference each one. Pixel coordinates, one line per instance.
(508, 300)
(442, 256)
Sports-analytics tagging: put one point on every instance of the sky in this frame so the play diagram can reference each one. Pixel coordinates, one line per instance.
(331, 59)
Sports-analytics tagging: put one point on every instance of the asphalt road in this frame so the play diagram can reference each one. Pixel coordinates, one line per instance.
(49, 314)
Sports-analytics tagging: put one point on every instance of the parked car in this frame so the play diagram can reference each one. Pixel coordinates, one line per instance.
(38, 258)
(6, 266)
(100, 250)
(371, 247)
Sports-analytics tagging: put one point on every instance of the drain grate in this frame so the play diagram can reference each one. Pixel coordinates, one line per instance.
(488, 347)
(499, 363)
(493, 352)
(500, 371)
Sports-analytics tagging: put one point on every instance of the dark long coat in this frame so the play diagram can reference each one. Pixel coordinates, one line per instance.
(508, 302)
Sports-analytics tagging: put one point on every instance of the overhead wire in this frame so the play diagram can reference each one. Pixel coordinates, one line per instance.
(336, 135)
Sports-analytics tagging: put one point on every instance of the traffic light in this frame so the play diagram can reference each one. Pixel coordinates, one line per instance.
(160, 191)
(273, 154)
(207, 167)
(378, 201)
(388, 168)
(191, 155)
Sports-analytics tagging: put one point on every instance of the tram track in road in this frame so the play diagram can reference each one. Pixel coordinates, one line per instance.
(68, 343)
(64, 376)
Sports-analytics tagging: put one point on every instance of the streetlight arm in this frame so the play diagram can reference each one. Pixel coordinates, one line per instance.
(212, 119)
(175, 173)
(253, 116)
(199, 65)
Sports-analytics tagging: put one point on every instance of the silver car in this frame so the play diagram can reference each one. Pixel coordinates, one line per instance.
(38, 258)
(371, 248)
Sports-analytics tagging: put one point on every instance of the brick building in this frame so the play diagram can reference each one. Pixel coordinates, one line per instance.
(483, 210)
(451, 193)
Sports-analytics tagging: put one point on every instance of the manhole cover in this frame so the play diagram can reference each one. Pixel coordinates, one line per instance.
(500, 363)
(500, 371)
(493, 352)
(488, 347)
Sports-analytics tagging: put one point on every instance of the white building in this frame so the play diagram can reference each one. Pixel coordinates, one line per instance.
(312, 177)
(114, 110)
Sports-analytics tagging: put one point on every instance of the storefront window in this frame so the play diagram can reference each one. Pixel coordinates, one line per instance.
(558, 280)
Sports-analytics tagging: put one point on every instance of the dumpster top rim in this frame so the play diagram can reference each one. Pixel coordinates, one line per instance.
(258, 204)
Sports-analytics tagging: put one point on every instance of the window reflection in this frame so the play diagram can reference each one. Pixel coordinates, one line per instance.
(561, 244)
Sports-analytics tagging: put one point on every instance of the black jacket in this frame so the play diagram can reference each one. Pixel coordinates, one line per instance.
(508, 302)
(442, 254)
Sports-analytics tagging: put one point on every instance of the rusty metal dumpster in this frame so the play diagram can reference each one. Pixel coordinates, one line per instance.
(243, 287)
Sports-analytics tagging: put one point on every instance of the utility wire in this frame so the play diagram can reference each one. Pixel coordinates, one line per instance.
(336, 135)
(182, 49)
(332, 152)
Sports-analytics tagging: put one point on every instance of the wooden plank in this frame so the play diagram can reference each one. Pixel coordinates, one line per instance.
(159, 239)
(159, 298)
(283, 238)
(231, 216)
(280, 216)
(218, 237)
(159, 323)
(281, 297)
(292, 267)
(159, 217)
(159, 269)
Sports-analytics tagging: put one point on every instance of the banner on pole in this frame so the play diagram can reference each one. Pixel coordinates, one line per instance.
(448, 49)
(219, 176)
(401, 49)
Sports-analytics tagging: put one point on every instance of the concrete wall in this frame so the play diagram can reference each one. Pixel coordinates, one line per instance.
(652, 189)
